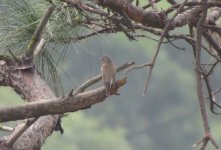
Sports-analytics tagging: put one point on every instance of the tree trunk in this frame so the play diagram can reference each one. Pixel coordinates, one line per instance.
(27, 82)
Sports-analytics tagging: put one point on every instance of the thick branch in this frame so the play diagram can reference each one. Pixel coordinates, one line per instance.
(137, 14)
(65, 104)
(214, 15)
(37, 34)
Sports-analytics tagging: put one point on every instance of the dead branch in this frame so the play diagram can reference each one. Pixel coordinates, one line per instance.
(199, 33)
(216, 91)
(137, 67)
(210, 93)
(194, 3)
(137, 14)
(212, 68)
(164, 33)
(79, 5)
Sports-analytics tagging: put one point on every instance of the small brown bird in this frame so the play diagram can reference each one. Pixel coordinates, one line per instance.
(108, 71)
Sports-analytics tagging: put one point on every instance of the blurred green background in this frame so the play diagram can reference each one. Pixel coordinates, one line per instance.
(166, 118)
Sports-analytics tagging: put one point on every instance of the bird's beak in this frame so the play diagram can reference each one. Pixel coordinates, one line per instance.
(100, 58)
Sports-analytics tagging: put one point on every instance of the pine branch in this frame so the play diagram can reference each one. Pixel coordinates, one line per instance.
(37, 34)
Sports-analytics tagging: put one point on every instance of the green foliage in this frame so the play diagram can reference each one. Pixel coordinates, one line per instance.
(18, 22)
(64, 26)
(19, 19)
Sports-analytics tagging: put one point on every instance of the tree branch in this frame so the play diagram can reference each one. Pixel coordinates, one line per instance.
(18, 131)
(137, 14)
(199, 33)
(61, 105)
(37, 34)
(5, 128)
(40, 47)
(97, 78)
(153, 5)
(137, 67)
(164, 33)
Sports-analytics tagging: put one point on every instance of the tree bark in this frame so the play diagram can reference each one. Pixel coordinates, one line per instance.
(27, 82)
(60, 105)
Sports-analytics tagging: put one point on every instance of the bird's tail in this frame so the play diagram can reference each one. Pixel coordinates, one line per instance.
(107, 87)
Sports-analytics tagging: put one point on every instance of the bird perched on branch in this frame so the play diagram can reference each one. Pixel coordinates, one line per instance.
(108, 71)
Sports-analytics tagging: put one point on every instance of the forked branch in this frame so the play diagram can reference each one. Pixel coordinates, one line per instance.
(164, 33)
(199, 34)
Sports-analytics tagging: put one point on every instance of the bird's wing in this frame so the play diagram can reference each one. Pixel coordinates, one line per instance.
(113, 78)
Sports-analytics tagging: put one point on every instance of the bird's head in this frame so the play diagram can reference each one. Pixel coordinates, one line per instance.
(105, 59)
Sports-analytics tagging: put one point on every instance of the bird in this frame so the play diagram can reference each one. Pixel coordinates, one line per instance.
(108, 72)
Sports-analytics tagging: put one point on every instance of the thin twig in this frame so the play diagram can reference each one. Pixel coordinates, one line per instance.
(78, 38)
(192, 42)
(5, 128)
(153, 5)
(211, 69)
(148, 5)
(197, 143)
(172, 44)
(137, 67)
(164, 33)
(210, 93)
(218, 90)
(209, 4)
(13, 56)
(86, 7)
(172, 2)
